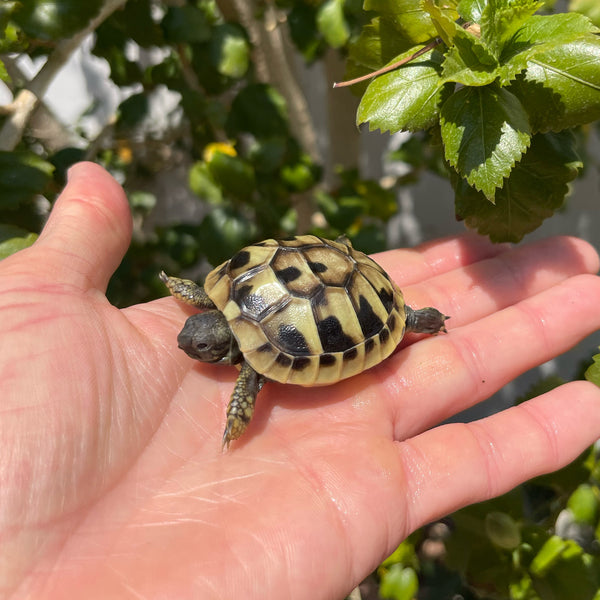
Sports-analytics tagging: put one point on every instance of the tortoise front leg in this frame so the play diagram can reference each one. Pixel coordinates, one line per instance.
(241, 405)
(187, 291)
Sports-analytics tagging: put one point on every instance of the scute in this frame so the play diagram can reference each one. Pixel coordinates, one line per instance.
(308, 311)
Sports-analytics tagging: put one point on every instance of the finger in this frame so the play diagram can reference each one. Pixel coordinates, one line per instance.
(455, 465)
(413, 265)
(479, 289)
(88, 230)
(446, 374)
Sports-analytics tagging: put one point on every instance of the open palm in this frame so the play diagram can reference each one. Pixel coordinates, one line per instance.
(112, 481)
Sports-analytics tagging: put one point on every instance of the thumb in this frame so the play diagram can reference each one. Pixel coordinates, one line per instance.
(88, 231)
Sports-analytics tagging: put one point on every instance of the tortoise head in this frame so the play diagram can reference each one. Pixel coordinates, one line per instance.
(207, 336)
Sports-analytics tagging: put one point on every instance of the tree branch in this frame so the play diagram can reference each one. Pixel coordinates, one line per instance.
(27, 99)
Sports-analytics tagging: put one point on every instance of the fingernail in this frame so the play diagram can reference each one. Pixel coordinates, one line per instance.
(72, 171)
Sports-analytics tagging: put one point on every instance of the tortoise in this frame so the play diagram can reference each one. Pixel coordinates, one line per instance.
(304, 310)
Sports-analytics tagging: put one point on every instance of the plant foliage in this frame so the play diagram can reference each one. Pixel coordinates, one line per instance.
(500, 82)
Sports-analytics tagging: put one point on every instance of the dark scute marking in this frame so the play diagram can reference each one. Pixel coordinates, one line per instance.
(332, 335)
(292, 340)
(350, 354)
(370, 323)
(300, 363)
(326, 360)
(392, 322)
(386, 298)
(254, 303)
(384, 336)
(241, 292)
(369, 345)
(317, 267)
(290, 238)
(241, 259)
(265, 348)
(283, 360)
(288, 274)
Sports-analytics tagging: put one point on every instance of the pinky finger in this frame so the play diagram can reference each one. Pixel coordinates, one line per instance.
(458, 464)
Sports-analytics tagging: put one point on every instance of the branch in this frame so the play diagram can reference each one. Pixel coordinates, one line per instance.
(27, 99)
(391, 67)
(273, 63)
(473, 28)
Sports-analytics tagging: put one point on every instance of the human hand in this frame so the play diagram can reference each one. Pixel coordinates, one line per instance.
(112, 482)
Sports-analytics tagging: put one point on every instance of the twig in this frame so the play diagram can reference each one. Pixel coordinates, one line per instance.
(470, 27)
(27, 99)
(391, 67)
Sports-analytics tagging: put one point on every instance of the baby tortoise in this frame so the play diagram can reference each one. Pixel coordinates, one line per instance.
(304, 310)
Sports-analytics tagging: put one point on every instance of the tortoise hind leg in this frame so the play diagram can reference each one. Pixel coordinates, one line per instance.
(241, 405)
(187, 291)
(425, 320)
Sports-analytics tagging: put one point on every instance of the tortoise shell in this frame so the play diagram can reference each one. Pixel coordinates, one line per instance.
(308, 311)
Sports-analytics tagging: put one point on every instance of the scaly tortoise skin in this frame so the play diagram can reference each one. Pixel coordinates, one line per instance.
(304, 310)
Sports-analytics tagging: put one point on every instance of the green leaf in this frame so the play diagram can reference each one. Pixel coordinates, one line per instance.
(462, 66)
(407, 98)
(565, 81)
(590, 8)
(22, 176)
(468, 61)
(549, 554)
(550, 29)
(132, 112)
(229, 50)
(471, 10)
(502, 530)
(63, 160)
(203, 185)
(301, 20)
(299, 176)
(535, 189)
(51, 20)
(332, 24)
(399, 583)
(584, 504)
(499, 21)
(369, 238)
(11, 39)
(405, 553)
(135, 20)
(409, 19)
(446, 26)
(377, 45)
(485, 132)
(593, 372)
(562, 570)
(540, 34)
(223, 232)
(233, 174)
(3, 74)
(13, 239)
(340, 212)
(382, 203)
(141, 203)
(260, 110)
(267, 154)
(186, 24)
